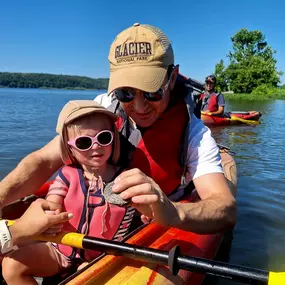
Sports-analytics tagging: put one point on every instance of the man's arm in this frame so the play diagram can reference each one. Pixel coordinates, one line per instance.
(31, 173)
(214, 213)
(219, 112)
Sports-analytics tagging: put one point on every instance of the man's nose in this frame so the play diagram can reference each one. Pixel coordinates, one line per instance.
(140, 104)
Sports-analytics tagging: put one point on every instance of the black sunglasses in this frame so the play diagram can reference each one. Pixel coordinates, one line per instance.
(127, 94)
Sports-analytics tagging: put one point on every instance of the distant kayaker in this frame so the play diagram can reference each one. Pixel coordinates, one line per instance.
(213, 103)
(90, 141)
(173, 147)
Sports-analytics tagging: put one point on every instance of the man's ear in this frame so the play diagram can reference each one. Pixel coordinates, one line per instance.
(173, 77)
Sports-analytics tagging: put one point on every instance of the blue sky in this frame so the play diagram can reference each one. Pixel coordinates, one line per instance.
(73, 37)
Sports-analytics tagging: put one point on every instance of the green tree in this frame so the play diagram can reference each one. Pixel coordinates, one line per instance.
(252, 62)
(220, 74)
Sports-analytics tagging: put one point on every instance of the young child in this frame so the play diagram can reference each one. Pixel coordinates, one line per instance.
(90, 146)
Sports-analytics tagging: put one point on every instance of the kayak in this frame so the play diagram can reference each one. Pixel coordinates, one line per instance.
(113, 270)
(232, 118)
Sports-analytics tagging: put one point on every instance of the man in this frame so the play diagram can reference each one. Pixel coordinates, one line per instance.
(213, 103)
(32, 223)
(155, 119)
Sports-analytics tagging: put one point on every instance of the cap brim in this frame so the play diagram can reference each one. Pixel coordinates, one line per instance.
(87, 111)
(146, 78)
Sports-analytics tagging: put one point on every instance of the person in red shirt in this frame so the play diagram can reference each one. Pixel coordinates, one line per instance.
(213, 103)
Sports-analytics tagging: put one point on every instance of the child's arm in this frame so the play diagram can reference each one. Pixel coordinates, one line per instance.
(55, 198)
(57, 191)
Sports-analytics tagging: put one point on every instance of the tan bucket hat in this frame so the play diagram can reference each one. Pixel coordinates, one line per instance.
(76, 109)
(139, 57)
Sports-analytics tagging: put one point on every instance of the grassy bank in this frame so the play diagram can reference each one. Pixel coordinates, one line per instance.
(251, 97)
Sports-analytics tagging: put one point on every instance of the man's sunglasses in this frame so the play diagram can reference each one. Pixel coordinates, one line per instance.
(84, 143)
(127, 94)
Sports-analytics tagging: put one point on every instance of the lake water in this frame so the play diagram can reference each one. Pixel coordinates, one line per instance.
(28, 119)
(260, 153)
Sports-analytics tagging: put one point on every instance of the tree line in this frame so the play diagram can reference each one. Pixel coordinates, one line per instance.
(252, 66)
(43, 80)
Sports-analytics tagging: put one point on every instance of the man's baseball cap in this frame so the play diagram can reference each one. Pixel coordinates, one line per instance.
(139, 58)
(211, 78)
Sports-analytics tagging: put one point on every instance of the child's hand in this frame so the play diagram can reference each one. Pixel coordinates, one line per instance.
(53, 230)
(145, 219)
(82, 265)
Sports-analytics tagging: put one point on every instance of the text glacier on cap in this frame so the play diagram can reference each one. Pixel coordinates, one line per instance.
(133, 49)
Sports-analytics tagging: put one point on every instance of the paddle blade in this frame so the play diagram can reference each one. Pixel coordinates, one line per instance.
(249, 122)
(70, 239)
(276, 278)
(66, 238)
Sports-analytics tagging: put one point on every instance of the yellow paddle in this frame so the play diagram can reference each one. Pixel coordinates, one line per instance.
(249, 122)
(173, 259)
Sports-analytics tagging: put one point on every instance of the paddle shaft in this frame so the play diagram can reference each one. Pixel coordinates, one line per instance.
(173, 258)
(177, 261)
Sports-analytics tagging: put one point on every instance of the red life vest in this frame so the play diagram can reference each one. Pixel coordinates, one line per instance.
(116, 219)
(212, 103)
(159, 151)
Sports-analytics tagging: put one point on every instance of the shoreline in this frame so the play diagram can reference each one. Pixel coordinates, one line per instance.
(51, 88)
(228, 96)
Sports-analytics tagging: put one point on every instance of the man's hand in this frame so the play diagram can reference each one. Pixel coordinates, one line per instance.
(146, 196)
(35, 220)
(216, 211)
